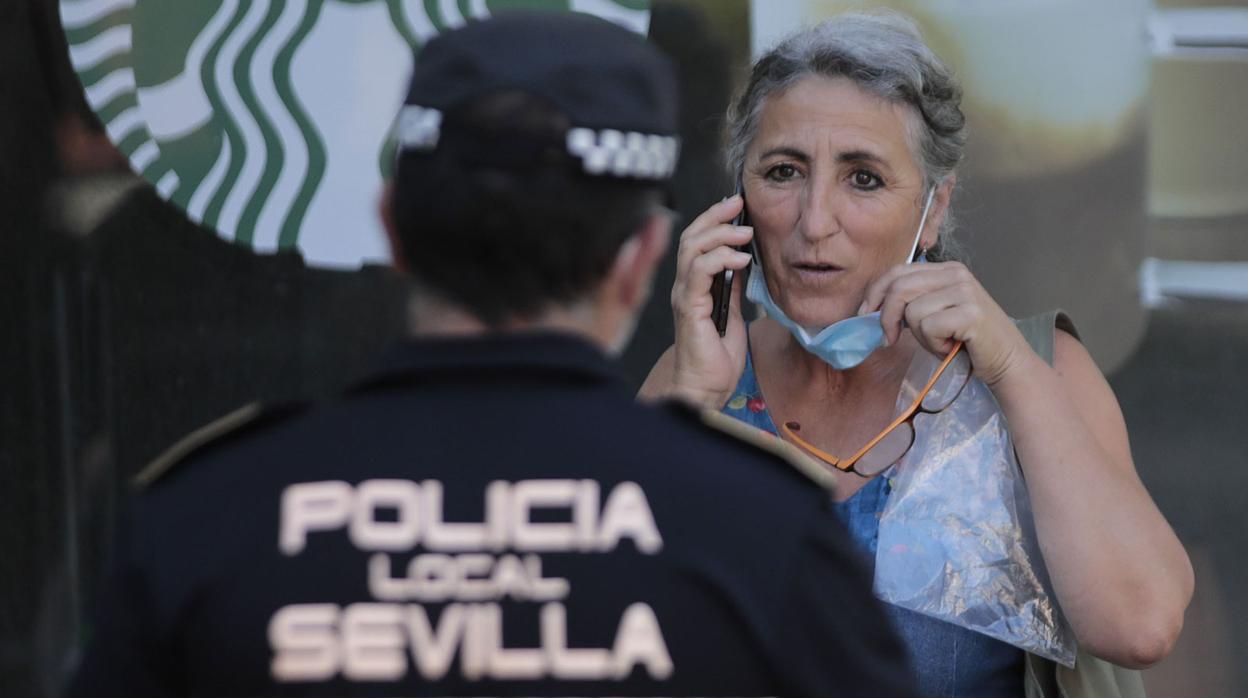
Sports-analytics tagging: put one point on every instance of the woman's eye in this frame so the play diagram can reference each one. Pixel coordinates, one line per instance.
(865, 180)
(782, 172)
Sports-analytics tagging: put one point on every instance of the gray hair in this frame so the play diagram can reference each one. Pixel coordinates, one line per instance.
(883, 53)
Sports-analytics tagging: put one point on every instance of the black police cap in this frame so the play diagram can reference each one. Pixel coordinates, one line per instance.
(617, 92)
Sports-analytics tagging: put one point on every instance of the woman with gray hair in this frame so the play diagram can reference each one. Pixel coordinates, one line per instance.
(845, 142)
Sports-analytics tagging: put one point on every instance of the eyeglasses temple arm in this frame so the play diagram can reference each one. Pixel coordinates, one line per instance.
(909, 411)
(848, 463)
(811, 448)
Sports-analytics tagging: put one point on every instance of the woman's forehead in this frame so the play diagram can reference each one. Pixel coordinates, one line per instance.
(831, 116)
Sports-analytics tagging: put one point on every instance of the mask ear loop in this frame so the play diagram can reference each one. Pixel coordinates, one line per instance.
(927, 205)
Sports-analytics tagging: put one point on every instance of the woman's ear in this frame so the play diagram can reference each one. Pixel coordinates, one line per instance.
(940, 208)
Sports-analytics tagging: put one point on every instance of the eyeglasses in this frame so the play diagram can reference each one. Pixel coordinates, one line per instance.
(894, 442)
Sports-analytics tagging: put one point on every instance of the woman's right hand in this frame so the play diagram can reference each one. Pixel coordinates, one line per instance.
(705, 366)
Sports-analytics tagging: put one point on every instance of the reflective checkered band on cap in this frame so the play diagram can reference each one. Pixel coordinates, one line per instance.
(419, 128)
(624, 154)
(604, 153)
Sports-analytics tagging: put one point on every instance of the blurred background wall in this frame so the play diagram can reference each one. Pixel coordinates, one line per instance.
(1095, 148)
(1182, 390)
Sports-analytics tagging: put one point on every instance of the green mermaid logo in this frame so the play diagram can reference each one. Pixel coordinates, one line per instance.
(269, 120)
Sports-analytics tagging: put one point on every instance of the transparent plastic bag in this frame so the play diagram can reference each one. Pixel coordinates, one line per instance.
(957, 539)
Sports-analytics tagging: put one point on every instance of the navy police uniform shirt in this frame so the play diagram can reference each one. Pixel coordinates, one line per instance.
(488, 517)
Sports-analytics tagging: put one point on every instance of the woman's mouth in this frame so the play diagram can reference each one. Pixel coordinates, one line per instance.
(816, 271)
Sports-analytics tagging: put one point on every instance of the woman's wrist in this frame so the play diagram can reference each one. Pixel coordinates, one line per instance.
(696, 395)
(1012, 362)
(1017, 374)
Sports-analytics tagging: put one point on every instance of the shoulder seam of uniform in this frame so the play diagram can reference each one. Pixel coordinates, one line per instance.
(735, 428)
(191, 442)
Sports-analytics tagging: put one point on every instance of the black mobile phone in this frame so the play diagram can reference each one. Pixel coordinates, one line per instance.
(721, 286)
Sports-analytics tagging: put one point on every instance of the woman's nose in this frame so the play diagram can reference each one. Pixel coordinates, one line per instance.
(818, 217)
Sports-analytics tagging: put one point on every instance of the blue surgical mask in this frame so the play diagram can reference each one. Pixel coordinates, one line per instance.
(843, 344)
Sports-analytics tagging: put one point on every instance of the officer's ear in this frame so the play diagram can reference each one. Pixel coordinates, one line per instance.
(385, 209)
(632, 273)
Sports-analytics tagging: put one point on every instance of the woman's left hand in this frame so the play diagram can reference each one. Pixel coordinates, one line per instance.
(1119, 572)
(942, 302)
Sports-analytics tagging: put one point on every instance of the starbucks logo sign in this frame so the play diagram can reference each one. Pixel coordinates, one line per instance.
(270, 121)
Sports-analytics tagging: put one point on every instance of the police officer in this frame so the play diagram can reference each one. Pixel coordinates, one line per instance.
(492, 513)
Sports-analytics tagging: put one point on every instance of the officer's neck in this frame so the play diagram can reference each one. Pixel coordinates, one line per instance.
(432, 317)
